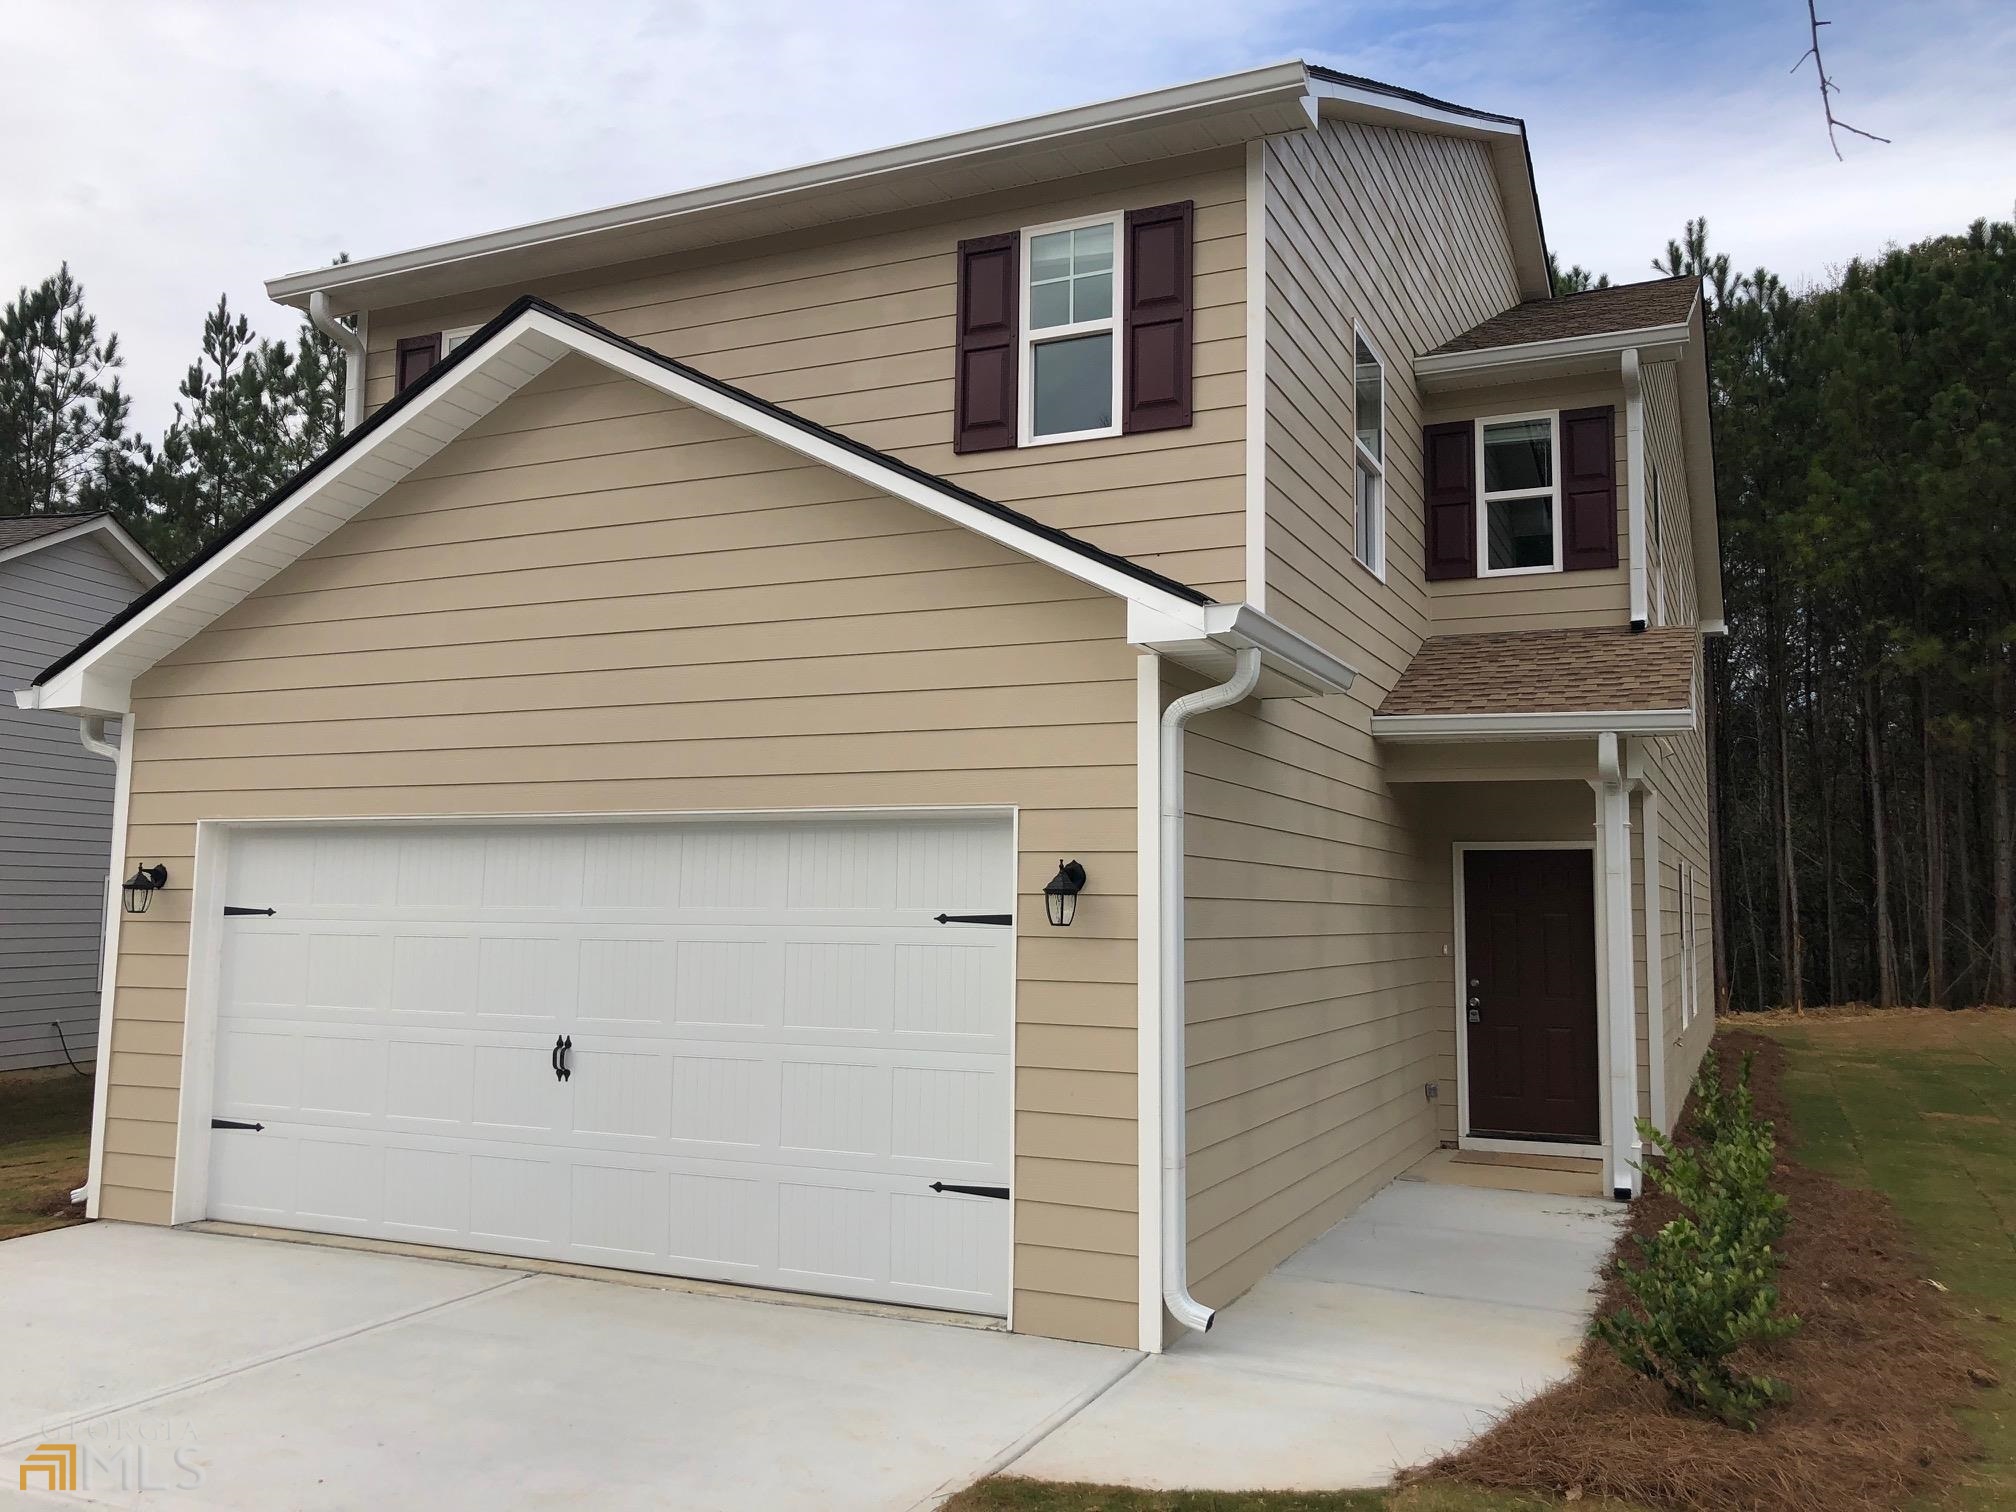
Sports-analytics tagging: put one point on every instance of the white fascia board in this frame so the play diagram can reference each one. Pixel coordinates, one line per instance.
(1249, 91)
(1417, 727)
(117, 541)
(1205, 639)
(1378, 107)
(100, 681)
(1505, 364)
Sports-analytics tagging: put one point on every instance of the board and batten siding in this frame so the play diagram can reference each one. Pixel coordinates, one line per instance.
(551, 617)
(1317, 979)
(853, 326)
(55, 810)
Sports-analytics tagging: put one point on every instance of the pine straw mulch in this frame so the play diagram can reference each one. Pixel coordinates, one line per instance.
(1875, 1372)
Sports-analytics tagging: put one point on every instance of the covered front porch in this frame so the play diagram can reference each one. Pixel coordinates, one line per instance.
(1528, 763)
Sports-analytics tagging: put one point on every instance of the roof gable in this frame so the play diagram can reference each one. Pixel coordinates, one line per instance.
(23, 535)
(523, 341)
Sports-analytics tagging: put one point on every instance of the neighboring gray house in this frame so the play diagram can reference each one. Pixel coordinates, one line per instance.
(61, 577)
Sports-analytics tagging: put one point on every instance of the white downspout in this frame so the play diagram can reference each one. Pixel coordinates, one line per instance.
(1614, 822)
(1185, 1308)
(352, 343)
(91, 731)
(1634, 491)
(1655, 957)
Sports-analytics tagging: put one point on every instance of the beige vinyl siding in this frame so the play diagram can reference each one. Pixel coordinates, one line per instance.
(1541, 600)
(501, 636)
(852, 326)
(1318, 983)
(1677, 766)
(1399, 234)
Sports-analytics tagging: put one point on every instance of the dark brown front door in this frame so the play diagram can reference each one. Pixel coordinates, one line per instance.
(1530, 999)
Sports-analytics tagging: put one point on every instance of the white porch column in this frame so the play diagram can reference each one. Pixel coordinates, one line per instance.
(1655, 958)
(1615, 997)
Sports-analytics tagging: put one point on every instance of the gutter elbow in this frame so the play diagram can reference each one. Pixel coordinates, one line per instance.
(352, 343)
(91, 734)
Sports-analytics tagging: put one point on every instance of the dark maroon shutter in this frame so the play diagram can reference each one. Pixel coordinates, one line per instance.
(1588, 488)
(1449, 468)
(415, 355)
(1155, 386)
(990, 305)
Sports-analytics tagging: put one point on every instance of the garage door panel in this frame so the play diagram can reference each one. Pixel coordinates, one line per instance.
(775, 1051)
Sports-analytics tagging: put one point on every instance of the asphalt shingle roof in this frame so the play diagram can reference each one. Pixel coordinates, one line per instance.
(19, 529)
(1595, 312)
(1600, 668)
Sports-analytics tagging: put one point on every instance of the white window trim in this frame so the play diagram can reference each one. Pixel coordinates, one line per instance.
(1027, 340)
(1689, 948)
(451, 339)
(1486, 497)
(1364, 458)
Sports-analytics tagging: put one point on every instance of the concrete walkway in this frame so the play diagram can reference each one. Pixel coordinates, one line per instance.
(214, 1371)
(1386, 1342)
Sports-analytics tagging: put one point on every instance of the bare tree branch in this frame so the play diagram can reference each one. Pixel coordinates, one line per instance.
(1828, 88)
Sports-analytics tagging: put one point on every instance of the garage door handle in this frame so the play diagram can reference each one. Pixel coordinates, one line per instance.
(563, 1046)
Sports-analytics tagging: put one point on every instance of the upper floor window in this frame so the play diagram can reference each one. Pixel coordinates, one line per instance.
(1369, 384)
(1519, 519)
(1070, 344)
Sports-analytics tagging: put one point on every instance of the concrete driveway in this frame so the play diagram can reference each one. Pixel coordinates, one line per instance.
(213, 1371)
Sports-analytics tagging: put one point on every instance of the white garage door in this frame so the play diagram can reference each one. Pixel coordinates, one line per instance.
(775, 1051)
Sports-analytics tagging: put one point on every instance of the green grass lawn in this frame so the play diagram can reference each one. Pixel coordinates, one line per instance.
(1922, 1106)
(45, 1146)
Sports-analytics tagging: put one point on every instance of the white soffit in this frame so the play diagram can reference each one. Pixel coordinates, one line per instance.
(1539, 726)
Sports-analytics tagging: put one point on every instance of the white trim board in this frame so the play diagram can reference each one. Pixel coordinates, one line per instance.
(518, 348)
(1536, 726)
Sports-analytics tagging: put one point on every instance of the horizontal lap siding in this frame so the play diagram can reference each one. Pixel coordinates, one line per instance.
(1319, 914)
(853, 327)
(1544, 600)
(1678, 765)
(55, 811)
(681, 646)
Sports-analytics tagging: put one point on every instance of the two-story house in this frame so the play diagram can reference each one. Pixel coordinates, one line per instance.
(1012, 724)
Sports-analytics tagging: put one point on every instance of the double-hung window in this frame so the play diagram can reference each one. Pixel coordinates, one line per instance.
(1519, 506)
(1369, 401)
(1070, 337)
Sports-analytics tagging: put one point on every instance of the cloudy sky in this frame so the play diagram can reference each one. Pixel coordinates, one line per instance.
(175, 149)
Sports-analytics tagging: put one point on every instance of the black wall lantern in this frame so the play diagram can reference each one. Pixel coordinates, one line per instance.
(141, 887)
(1060, 893)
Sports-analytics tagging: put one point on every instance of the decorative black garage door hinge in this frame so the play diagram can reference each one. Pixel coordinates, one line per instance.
(975, 919)
(232, 911)
(232, 1123)
(970, 1191)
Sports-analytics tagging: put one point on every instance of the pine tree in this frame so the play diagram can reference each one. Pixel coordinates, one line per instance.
(1575, 279)
(54, 372)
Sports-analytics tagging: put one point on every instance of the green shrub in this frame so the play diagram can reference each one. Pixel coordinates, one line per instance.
(1704, 1286)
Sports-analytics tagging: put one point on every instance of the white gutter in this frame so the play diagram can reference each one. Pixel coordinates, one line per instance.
(1635, 541)
(1185, 1308)
(1445, 369)
(352, 343)
(1534, 726)
(1613, 825)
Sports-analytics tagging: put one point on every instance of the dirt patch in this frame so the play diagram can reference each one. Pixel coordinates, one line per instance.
(1876, 1374)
